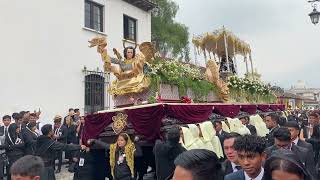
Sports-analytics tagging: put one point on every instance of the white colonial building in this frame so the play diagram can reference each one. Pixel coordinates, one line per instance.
(45, 59)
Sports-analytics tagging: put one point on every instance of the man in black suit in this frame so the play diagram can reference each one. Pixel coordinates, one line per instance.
(250, 149)
(219, 131)
(231, 164)
(3, 132)
(246, 121)
(312, 134)
(294, 129)
(60, 135)
(272, 125)
(282, 140)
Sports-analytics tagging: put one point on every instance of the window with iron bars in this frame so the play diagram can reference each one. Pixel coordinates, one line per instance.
(96, 97)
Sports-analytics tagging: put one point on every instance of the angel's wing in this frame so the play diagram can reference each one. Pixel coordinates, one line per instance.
(147, 49)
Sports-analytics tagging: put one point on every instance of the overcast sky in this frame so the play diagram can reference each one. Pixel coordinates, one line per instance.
(285, 44)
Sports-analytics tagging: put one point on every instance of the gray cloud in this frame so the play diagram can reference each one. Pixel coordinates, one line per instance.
(284, 41)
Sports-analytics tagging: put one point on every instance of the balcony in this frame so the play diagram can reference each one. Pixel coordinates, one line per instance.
(145, 5)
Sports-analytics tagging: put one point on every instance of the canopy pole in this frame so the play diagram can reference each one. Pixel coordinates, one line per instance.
(195, 55)
(226, 49)
(234, 59)
(250, 58)
(246, 61)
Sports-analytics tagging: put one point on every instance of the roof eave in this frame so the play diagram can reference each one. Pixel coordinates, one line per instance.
(145, 5)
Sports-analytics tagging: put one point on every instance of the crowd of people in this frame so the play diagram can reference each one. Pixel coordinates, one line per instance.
(24, 134)
(207, 151)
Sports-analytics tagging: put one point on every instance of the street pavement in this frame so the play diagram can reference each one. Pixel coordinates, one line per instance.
(65, 175)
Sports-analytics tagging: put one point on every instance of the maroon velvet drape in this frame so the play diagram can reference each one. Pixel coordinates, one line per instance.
(189, 113)
(251, 109)
(95, 124)
(282, 107)
(228, 110)
(263, 107)
(273, 107)
(147, 121)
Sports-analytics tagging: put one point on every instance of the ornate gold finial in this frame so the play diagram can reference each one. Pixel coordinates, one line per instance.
(119, 122)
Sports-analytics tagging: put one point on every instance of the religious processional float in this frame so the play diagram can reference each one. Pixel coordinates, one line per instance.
(151, 93)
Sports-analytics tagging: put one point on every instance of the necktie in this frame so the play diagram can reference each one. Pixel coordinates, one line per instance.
(238, 167)
(6, 131)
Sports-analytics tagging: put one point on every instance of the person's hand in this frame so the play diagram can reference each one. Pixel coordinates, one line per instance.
(87, 149)
(83, 147)
(136, 138)
(90, 141)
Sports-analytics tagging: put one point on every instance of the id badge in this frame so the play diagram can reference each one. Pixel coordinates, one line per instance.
(81, 162)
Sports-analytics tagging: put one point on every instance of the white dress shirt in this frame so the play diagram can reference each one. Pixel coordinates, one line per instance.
(296, 141)
(259, 177)
(234, 167)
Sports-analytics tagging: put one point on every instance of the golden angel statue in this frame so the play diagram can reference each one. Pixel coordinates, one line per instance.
(130, 70)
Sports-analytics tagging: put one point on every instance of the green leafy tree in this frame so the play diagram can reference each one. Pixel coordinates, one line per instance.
(169, 36)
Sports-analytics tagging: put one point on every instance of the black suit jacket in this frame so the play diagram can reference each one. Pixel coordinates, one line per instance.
(303, 154)
(306, 145)
(222, 136)
(227, 167)
(239, 175)
(252, 129)
(1, 130)
(270, 138)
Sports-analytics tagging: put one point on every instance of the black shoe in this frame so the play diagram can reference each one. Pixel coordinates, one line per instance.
(58, 171)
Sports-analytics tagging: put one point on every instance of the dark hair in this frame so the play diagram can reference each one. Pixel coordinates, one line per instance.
(46, 129)
(287, 161)
(282, 134)
(314, 114)
(71, 109)
(202, 163)
(282, 121)
(232, 135)
(65, 120)
(22, 113)
(250, 143)
(6, 117)
(293, 124)
(274, 117)
(33, 114)
(14, 115)
(244, 117)
(126, 50)
(173, 134)
(28, 166)
(76, 110)
(18, 117)
(174, 148)
(58, 120)
(31, 125)
(216, 122)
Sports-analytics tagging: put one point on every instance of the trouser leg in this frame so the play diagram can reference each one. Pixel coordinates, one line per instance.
(59, 160)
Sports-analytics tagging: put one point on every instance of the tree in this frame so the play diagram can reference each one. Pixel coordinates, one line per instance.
(169, 36)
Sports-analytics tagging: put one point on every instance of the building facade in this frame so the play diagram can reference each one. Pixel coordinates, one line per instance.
(45, 59)
(311, 96)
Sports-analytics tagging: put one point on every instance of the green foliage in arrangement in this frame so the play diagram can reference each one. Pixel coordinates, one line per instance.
(182, 75)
